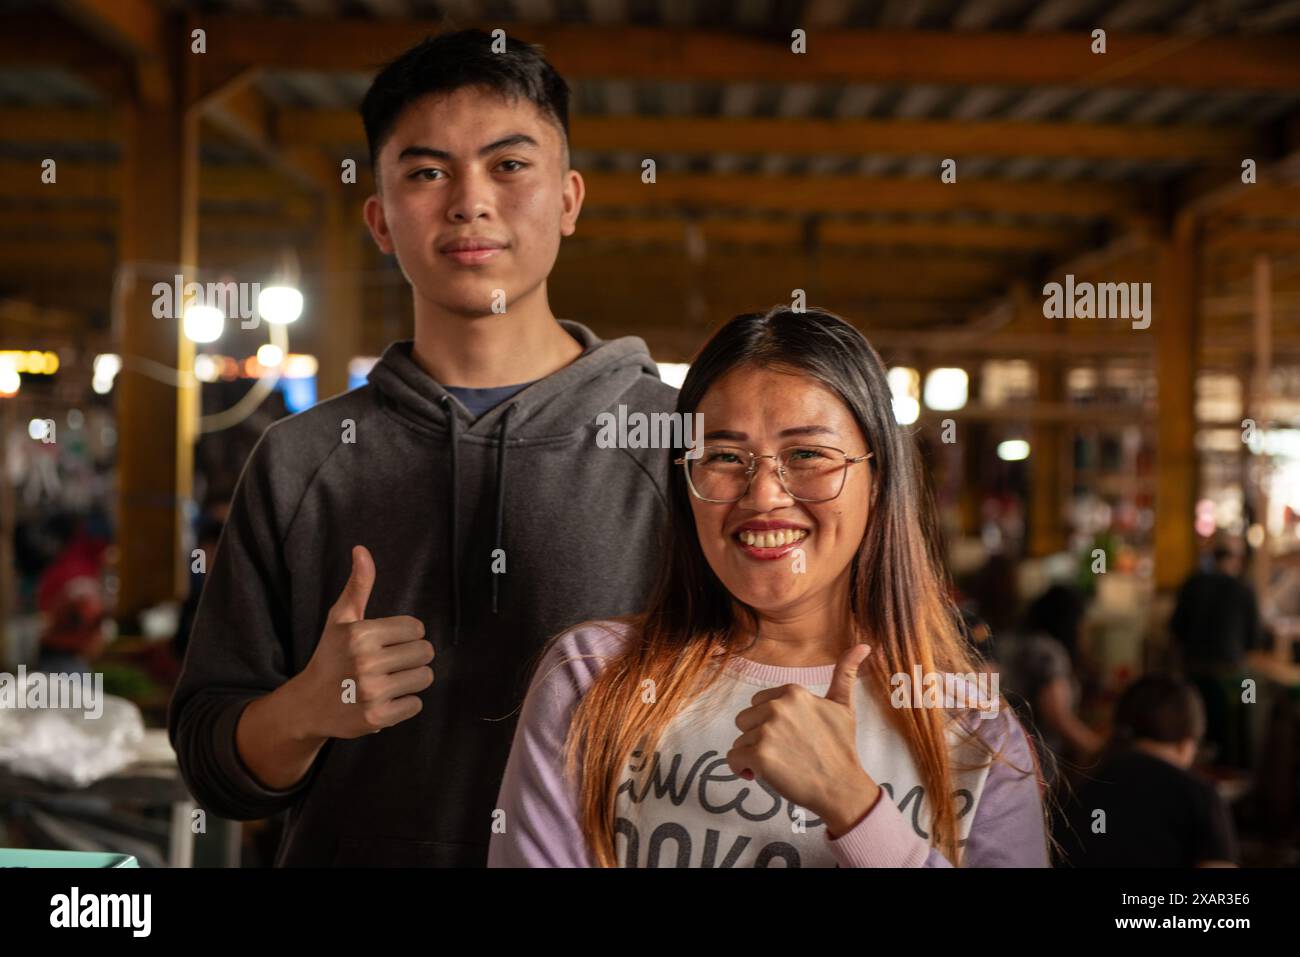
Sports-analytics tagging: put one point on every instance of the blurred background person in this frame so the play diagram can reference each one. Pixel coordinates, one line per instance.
(1040, 667)
(70, 597)
(1216, 620)
(1143, 807)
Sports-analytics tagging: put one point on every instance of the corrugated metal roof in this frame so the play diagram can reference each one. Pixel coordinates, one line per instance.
(48, 87)
(772, 98)
(1173, 16)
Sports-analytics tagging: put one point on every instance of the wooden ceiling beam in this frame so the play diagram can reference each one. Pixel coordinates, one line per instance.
(838, 55)
(1252, 240)
(861, 194)
(671, 231)
(104, 219)
(814, 137)
(135, 29)
(250, 119)
(688, 193)
(1262, 200)
(41, 40)
(62, 126)
(80, 180)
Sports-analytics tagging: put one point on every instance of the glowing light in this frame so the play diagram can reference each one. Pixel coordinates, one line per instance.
(945, 389)
(203, 323)
(107, 365)
(298, 365)
(30, 361)
(904, 386)
(906, 410)
(1013, 450)
(206, 368)
(673, 373)
(280, 305)
(269, 355)
(361, 365)
(10, 380)
(903, 381)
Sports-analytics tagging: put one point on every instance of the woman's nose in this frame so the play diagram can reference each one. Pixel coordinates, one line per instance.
(765, 489)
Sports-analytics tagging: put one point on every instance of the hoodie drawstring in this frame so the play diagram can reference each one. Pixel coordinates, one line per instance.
(454, 507)
(501, 498)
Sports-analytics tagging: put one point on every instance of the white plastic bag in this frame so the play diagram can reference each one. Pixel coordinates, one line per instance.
(66, 747)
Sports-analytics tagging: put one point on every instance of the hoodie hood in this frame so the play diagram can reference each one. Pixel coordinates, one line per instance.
(563, 403)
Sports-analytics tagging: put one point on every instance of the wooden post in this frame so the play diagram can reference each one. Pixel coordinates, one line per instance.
(157, 420)
(1259, 409)
(1046, 448)
(971, 443)
(1176, 325)
(8, 651)
(337, 318)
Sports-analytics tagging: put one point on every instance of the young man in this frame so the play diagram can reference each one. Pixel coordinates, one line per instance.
(447, 518)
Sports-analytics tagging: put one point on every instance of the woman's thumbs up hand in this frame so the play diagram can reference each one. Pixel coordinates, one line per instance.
(805, 747)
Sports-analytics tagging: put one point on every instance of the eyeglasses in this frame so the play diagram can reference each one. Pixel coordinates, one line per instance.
(722, 474)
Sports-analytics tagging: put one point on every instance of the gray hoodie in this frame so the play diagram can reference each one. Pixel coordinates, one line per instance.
(401, 467)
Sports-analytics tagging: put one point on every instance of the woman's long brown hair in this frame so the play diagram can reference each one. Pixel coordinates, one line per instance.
(899, 602)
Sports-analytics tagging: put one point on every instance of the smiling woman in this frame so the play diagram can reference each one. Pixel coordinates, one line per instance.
(803, 460)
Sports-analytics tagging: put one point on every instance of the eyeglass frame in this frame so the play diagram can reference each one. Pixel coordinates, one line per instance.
(752, 470)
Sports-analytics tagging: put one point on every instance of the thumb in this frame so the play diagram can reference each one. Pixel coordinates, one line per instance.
(846, 673)
(351, 605)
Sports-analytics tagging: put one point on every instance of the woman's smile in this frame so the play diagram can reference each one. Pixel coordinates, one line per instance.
(766, 541)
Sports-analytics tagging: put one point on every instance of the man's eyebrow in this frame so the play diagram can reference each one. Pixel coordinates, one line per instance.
(514, 139)
(783, 434)
(428, 152)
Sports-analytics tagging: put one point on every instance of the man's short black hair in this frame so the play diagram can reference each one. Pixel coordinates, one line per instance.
(450, 61)
(1160, 708)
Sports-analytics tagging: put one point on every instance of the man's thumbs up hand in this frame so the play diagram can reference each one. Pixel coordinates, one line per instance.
(351, 604)
(366, 674)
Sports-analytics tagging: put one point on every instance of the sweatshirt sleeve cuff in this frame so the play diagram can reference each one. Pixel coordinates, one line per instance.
(232, 766)
(883, 838)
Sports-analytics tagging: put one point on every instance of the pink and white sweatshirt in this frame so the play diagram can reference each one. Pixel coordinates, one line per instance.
(691, 810)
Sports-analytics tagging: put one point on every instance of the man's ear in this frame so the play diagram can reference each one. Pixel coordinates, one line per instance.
(574, 192)
(377, 224)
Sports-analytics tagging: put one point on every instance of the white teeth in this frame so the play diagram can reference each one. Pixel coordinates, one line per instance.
(775, 539)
